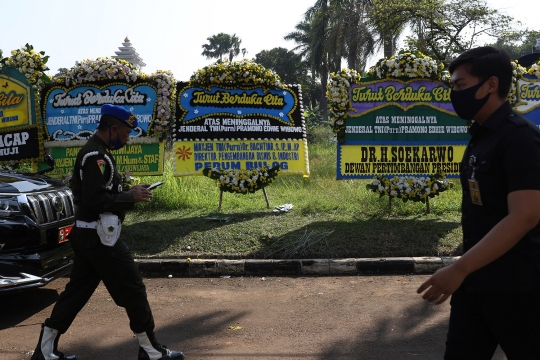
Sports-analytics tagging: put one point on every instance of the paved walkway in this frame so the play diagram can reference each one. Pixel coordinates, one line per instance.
(356, 317)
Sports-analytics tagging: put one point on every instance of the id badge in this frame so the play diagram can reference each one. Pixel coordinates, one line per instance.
(474, 189)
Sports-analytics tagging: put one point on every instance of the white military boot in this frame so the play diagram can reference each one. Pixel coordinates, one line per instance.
(47, 347)
(150, 349)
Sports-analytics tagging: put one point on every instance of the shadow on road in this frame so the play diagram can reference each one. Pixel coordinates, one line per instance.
(414, 335)
(20, 306)
(186, 331)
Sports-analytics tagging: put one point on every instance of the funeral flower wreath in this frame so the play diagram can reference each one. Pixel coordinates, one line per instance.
(107, 68)
(243, 181)
(239, 73)
(404, 65)
(410, 188)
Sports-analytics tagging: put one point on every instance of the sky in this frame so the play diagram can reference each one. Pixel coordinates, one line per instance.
(167, 34)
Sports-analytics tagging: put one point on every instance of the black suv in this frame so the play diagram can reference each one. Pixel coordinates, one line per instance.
(36, 218)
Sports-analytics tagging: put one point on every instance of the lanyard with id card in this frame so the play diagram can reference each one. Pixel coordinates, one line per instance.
(474, 188)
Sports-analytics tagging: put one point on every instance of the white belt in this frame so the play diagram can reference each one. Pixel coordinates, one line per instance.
(84, 224)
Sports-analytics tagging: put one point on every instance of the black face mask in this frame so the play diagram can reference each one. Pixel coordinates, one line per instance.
(465, 103)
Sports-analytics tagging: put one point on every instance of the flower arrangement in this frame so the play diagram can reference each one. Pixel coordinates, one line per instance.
(107, 68)
(410, 188)
(243, 181)
(338, 96)
(534, 70)
(129, 181)
(103, 68)
(166, 90)
(517, 73)
(409, 65)
(30, 63)
(238, 72)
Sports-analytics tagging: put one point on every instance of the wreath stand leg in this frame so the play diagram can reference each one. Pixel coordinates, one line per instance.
(266, 198)
(220, 200)
(428, 210)
(389, 205)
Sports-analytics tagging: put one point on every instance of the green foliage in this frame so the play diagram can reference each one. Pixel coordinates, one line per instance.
(313, 116)
(15, 166)
(288, 65)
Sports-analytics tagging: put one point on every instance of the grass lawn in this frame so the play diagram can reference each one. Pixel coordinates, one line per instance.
(330, 218)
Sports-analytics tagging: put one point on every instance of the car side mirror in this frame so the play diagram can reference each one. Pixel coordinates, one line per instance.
(48, 159)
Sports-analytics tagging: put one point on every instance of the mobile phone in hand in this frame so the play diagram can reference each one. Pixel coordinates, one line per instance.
(155, 185)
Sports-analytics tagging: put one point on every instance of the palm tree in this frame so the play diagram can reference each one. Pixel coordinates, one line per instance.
(221, 44)
(311, 37)
(349, 35)
(332, 30)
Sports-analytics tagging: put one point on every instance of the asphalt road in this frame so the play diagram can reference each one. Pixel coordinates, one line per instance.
(306, 318)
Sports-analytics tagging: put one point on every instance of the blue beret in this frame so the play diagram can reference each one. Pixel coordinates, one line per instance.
(120, 113)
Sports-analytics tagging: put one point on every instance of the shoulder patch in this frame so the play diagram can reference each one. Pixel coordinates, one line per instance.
(102, 164)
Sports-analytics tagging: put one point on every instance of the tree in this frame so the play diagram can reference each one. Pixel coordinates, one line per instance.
(389, 18)
(61, 72)
(350, 35)
(331, 31)
(292, 69)
(311, 35)
(450, 27)
(286, 63)
(517, 43)
(302, 38)
(220, 45)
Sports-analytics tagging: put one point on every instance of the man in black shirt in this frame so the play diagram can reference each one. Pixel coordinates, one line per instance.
(101, 205)
(495, 285)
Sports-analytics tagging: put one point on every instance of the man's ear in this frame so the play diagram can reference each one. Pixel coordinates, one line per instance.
(493, 84)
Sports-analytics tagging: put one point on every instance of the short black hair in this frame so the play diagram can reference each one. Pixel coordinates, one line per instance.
(485, 62)
(106, 121)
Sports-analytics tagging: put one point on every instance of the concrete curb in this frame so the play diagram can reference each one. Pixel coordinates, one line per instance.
(293, 267)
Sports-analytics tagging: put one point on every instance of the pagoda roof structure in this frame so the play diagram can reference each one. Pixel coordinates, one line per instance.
(127, 52)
